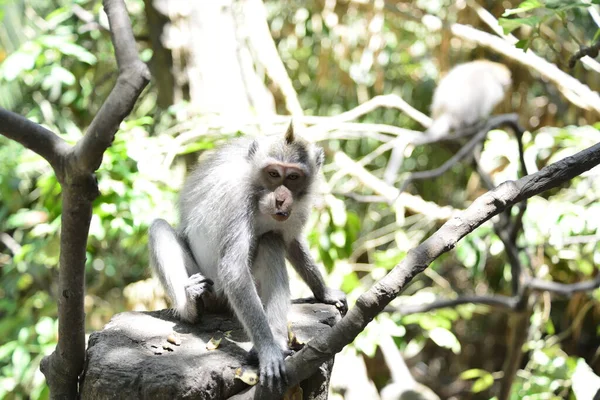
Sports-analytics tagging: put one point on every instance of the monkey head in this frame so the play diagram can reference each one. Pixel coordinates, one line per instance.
(285, 168)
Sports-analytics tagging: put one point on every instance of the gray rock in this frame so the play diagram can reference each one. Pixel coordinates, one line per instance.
(151, 355)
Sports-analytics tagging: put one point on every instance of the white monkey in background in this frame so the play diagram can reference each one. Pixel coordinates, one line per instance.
(467, 95)
(464, 97)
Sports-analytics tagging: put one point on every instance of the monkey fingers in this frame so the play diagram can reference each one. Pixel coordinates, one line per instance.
(272, 371)
(252, 356)
(336, 298)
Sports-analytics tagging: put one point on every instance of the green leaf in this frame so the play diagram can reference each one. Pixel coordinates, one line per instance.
(444, 338)
(63, 45)
(7, 349)
(563, 5)
(62, 75)
(473, 373)
(17, 63)
(527, 5)
(482, 383)
(45, 330)
(523, 44)
(509, 25)
(26, 218)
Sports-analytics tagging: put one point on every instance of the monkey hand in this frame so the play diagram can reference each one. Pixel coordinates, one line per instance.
(272, 367)
(336, 298)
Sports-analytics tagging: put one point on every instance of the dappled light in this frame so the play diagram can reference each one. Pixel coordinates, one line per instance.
(461, 224)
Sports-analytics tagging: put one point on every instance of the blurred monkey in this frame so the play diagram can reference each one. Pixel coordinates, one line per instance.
(464, 97)
(467, 95)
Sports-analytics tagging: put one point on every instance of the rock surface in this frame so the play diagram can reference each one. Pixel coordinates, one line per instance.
(151, 355)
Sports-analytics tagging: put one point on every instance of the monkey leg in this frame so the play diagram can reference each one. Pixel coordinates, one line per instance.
(271, 277)
(173, 264)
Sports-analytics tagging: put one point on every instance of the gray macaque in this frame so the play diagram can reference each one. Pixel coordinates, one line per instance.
(467, 95)
(242, 214)
(464, 97)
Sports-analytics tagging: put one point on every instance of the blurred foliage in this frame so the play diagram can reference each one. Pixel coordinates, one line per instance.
(57, 67)
(538, 14)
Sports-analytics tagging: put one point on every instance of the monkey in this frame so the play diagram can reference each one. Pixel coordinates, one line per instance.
(464, 97)
(242, 212)
(467, 95)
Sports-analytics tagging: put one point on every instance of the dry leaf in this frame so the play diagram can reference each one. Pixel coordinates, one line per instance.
(247, 375)
(174, 339)
(213, 343)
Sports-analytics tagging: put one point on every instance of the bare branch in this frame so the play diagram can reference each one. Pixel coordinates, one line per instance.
(33, 136)
(389, 101)
(564, 289)
(505, 302)
(591, 51)
(133, 78)
(390, 193)
(462, 153)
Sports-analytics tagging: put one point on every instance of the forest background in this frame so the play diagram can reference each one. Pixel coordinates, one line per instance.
(358, 77)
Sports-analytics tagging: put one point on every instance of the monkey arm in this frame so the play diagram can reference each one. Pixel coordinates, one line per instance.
(238, 284)
(300, 258)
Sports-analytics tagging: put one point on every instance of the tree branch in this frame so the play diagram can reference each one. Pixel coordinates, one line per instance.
(133, 78)
(33, 136)
(74, 167)
(505, 302)
(563, 289)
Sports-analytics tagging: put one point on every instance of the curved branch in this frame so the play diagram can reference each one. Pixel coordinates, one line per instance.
(33, 136)
(505, 302)
(564, 289)
(133, 78)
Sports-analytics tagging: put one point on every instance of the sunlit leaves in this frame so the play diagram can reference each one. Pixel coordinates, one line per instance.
(483, 379)
(509, 25)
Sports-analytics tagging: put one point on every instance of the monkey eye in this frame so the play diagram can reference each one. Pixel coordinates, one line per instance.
(274, 174)
(293, 177)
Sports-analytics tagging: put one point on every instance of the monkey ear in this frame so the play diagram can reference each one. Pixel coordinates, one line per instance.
(319, 157)
(252, 149)
(289, 134)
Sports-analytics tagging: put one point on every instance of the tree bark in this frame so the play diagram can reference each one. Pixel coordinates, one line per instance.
(74, 168)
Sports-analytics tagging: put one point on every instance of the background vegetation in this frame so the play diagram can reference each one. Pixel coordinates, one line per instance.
(57, 66)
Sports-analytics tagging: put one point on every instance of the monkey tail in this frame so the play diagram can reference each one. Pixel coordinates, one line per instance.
(440, 126)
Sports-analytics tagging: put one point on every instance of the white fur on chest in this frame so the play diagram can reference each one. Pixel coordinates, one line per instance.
(290, 228)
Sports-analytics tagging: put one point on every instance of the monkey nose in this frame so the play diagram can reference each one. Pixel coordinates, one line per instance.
(278, 203)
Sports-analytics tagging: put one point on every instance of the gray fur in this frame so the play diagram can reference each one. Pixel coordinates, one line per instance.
(224, 238)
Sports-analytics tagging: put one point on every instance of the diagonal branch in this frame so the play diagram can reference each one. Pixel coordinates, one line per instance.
(33, 136)
(304, 363)
(133, 78)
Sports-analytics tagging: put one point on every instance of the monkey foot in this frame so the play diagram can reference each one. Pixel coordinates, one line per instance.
(196, 286)
(252, 356)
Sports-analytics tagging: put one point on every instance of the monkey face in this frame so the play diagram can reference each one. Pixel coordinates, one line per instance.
(281, 182)
(284, 171)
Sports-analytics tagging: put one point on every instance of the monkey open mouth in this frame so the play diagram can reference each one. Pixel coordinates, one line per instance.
(281, 216)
